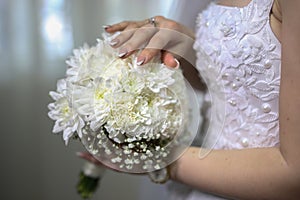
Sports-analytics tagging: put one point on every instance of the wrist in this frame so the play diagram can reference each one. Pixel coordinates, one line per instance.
(172, 168)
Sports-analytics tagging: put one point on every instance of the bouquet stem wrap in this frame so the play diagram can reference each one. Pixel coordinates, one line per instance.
(89, 179)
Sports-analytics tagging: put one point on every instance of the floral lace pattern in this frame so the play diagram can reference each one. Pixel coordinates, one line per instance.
(239, 58)
(244, 61)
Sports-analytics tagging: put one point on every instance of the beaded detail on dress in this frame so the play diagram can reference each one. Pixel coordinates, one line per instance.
(239, 57)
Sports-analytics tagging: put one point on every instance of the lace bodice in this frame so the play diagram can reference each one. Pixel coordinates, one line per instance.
(239, 58)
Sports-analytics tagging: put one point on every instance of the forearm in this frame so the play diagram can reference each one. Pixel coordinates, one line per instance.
(241, 174)
(188, 60)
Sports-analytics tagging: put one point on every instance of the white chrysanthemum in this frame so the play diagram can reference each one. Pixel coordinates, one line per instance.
(132, 82)
(128, 101)
(66, 119)
(157, 76)
(89, 62)
(143, 115)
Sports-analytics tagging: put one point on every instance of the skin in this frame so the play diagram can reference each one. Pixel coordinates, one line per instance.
(143, 32)
(261, 173)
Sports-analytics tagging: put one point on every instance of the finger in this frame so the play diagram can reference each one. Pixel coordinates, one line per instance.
(154, 47)
(116, 27)
(169, 60)
(125, 35)
(123, 25)
(90, 158)
(138, 40)
(87, 156)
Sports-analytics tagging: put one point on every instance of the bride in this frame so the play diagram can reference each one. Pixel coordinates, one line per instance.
(248, 55)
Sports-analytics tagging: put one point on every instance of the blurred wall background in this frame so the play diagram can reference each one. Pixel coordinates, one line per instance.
(36, 36)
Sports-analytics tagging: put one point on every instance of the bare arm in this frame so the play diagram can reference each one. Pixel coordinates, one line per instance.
(269, 173)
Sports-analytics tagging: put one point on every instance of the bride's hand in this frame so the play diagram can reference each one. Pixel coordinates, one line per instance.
(157, 36)
(90, 158)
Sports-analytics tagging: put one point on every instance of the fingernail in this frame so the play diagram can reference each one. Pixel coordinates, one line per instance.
(122, 53)
(114, 42)
(140, 60)
(178, 64)
(105, 26)
(79, 154)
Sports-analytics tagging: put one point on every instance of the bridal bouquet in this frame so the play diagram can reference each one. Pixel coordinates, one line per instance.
(131, 118)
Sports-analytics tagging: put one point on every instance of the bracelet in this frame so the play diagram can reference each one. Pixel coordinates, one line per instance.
(160, 176)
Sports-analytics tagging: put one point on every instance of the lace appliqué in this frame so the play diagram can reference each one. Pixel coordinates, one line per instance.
(244, 60)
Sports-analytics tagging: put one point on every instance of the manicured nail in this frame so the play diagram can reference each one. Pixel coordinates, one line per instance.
(140, 60)
(105, 26)
(79, 154)
(177, 65)
(122, 53)
(114, 42)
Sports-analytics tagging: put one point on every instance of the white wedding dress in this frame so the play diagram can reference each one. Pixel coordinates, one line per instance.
(240, 59)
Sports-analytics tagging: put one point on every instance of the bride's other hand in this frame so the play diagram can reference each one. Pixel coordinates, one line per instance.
(157, 36)
(88, 157)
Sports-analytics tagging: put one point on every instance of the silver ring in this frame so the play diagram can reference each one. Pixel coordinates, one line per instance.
(152, 21)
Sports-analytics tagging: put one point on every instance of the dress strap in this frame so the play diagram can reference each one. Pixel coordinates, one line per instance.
(268, 4)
